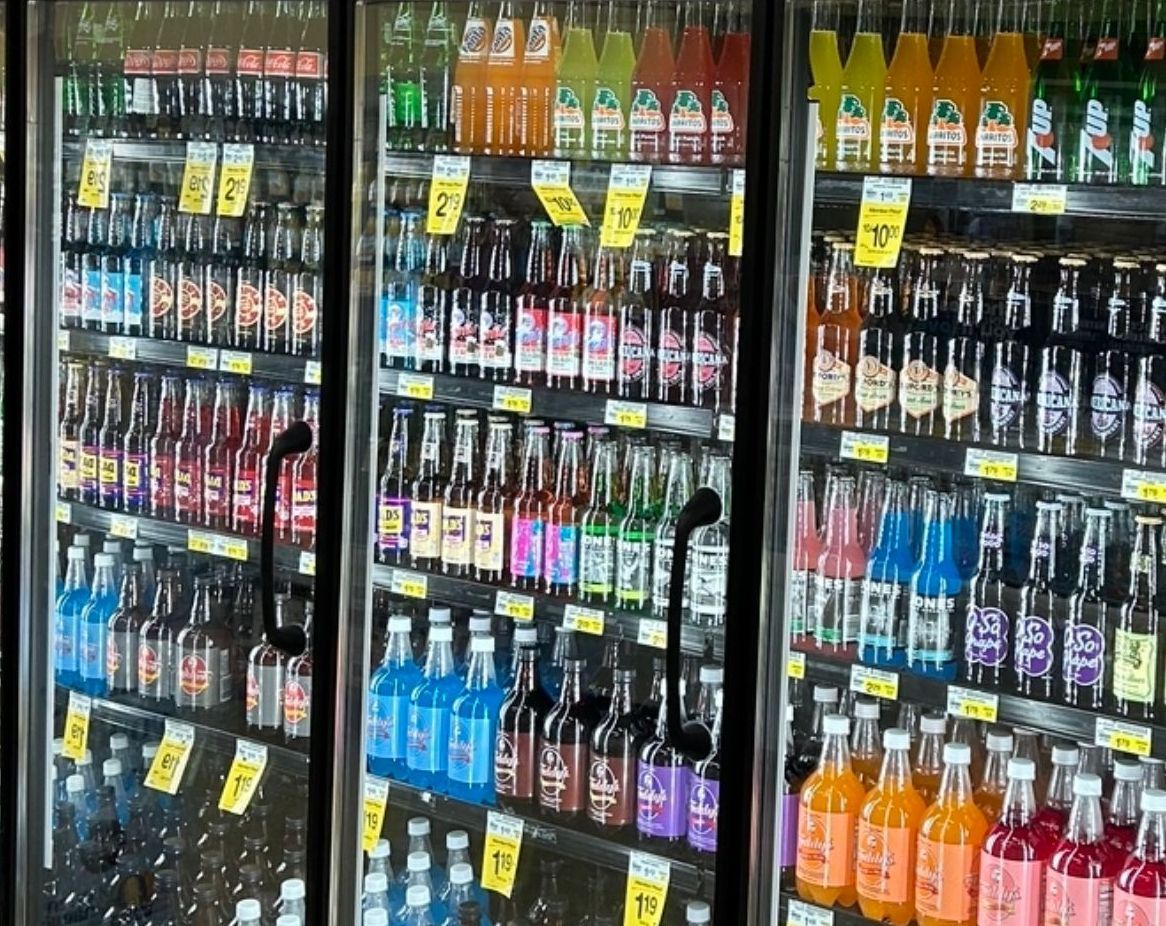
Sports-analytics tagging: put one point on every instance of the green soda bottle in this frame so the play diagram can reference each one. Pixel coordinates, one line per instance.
(1148, 122)
(576, 85)
(1106, 105)
(401, 73)
(598, 525)
(637, 531)
(613, 89)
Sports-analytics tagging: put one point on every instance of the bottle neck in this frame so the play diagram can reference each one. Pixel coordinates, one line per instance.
(399, 650)
(1151, 844)
(895, 774)
(1085, 824)
(439, 660)
(1060, 794)
(835, 754)
(1019, 803)
(955, 787)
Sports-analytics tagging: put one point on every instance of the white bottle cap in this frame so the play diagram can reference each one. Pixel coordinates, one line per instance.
(74, 784)
(896, 738)
(290, 919)
(697, 912)
(375, 882)
(293, 889)
(83, 541)
(143, 554)
(712, 675)
(866, 710)
(112, 546)
(957, 754)
(481, 644)
(1065, 755)
(248, 910)
(118, 741)
(441, 633)
(838, 724)
(418, 826)
(999, 742)
(525, 636)
(1153, 800)
(382, 849)
(824, 694)
(1087, 784)
(1021, 769)
(479, 624)
(418, 861)
(457, 839)
(417, 896)
(103, 560)
(149, 750)
(376, 917)
(461, 873)
(440, 615)
(75, 553)
(111, 768)
(399, 623)
(58, 745)
(86, 758)
(1124, 770)
(933, 723)
(1149, 760)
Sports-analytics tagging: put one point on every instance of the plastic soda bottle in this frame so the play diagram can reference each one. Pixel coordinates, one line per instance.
(540, 61)
(651, 90)
(866, 752)
(830, 801)
(692, 85)
(429, 713)
(907, 96)
(990, 791)
(1140, 893)
(576, 86)
(67, 629)
(934, 588)
(955, 99)
(927, 769)
(860, 101)
(950, 838)
(611, 103)
(1079, 881)
(1012, 862)
(1001, 130)
(390, 689)
(884, 590)
(807, 551)
(504, 78)
(473, 727)
(888, 827)
(469, 82)
(841, 567)
(826, 72)
(1121, 820)
(1054, 815)
(93, 627)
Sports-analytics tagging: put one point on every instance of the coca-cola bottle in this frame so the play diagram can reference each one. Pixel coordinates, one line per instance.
(265, 680)
(136, 450)
(69, 433)
(600, 318)
(162, 122)
(218, 288)
(191, 51)
(393, 493)
(125, 623)
(219, 458)
(310, 98)
(279, 71)
(520, 720)
(202, 655)
(304, 480)
(710, 330)
(155, 638)
(249, 299)
(308, 295)
(637, 322)
(566, 730)
(467, 285)
(565, 312)
(672, 333)
(249, 86)
(192, 270)
(282, 270)
(530, 331)
(163, 273)
(109, 444)
(611, 783)
(167, 431)
(496, 318)
(216, 101)
(139, 88)
(247, 487)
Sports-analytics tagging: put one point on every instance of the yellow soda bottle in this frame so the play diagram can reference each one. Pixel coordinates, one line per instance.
(908, 95)
(888, 828)
(955, 100)
(928, 765)
(1003, 116)
(613, 88)
(947, 866)
(826, 72)
(989, 794)
(860, 101)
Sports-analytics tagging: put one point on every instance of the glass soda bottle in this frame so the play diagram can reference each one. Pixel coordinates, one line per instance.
(1140, 890)
(520, 718)
(578, 67)
(907, 95)
(464, 300)
(496, 318)
(963, 378)
(394, 490)
(1051, 147)
(611, 780)
(661, 778)
(866, 752)
(561, 555)
(125, 624)
(840, 569)
(1089, 632)
(566, 731)
(565, 312)
(457, 514)
(693, 76)
(709, 577)
(203, 680)
(927, 768)
(598, 360)
(1004, 98)
(598, 526)
(530, 332)
(988, 623)
(676, 494)
(935, 585)
(920, 375)
(730, 97)
(1041, 611)
(955, 98)
(504, 77)
(860, 102)
(1054, 815)
(611, 103)
(637, 530)
(538, 91)
(883, 620)
(425, 508)
(1147, 142)
(432, 305)
(469, 82)
(1082, 869)
(531, 504)
(651, 88)
(1105, 101)
(491, 517)
(837, 339)
(877, 356)
(1137, 652)
(807, 551)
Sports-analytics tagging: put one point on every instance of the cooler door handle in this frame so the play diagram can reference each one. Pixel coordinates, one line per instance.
(291, 638)
(692, 738)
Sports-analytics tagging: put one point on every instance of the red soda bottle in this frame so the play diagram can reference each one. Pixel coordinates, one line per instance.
(162, 446)
(309, 289)
(468, 283)
(281, 416)
(218, 286)
(141, 33)
(565, 312)
(304, 474)
(730, 97)
(247, 488)
(188, 456)
(672, 331)
(282, 267)
(249, 282)
(311, 69)
(710, 330)
(1079, 885)
(496, 322)
(651, 89)
(692, 84)
(1121, 819)
(219, 458)
(1140, 895)
(163, 275)
(1054, 816)
(191, 322)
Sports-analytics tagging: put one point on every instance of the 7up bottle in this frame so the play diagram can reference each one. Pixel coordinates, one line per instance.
(1049, 144)
(1148, 121)
(1105, 106)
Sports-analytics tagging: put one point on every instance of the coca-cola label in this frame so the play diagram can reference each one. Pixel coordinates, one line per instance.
(218, 61)
(661, 805)
(530, 339)
(986, 639)
(249, 62)
(562, 777)
(599, 349)
(276, 307)
(309, 65)
(1085, 655)
(136, 62)
(248, 305)
(515, 761)
(189, 299)
(279, 62)
(297, 705)
(704, 804)
(1034, 646)
(189, 61)
(161, 296)
(611, 791)
(304, 312)
(164, 61)
(471, 749)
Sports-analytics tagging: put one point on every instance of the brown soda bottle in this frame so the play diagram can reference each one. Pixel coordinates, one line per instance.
(141, 33)
(877, 358)
(433, 305)
(281, 417)
(162, 121)
(493, 508)
(163, 275)
(279, 72)
(615, 743)
(191, 52)
(155, 673)
(600, 323)
(202, 681)
(167, 431)
(528, 525)
(710, 330)
(219, 458)
(637, 321)
(282, 269)
(249, 298)
(1137, 659)
(425, 522)
(190, 323)
(249, 87)
(125, 623)
(69, 432)
(520, 720)
(218, 288)
(135, 450)
(563, 753)
(216, 90)
(496, 320)
(247, 486)
(457, 518)
(109, 444)
(672, 330)
(565, 312)
(308, 296)
(561, 557)
(265, 680)
(920, 378)
(310, 97)
(297, 697)
(467, 285)
(530, 327)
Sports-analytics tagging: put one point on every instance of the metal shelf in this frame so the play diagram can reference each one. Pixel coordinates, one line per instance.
(284, 368)
(635, 628)
(223, 544)
(468, 392)
(299, 158)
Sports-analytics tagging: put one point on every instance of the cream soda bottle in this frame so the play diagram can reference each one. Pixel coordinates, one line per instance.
(1140, 893)
(826, 73)
(841, 567)
(907, 96)
(540, 61)
(807, 550)
(947, 867)
(469, 82)
(1081, 872)
(504, 78)
(576, 86)
(860, 100)
(611, 102)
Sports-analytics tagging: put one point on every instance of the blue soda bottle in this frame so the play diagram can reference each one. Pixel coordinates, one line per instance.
(884, 588)
(429, 713)
(935, 586)
(94, 627)
(965, 530)
(419, 866)
(67, 625)
(390, 689)
(474, 727)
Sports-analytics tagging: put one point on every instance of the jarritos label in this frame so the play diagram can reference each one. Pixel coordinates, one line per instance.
(947, 136)
(722, 122)
(896, 132)
(606, 111)
(852, 127)
(687, 116)
(647, 114)
(996, 139)
(568, 110)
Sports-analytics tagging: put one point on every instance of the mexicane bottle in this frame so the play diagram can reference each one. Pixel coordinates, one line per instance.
(491, 516)
(93, 627)
(1012, 864)
(861, 97)
(1001, 128)
(504, 69)
(651, 89)
(1053, 817)
(473, 727)
(1137, 653)
(430, 704)
(457, 513)
(888, 827)
(677, 492)
(1121, 817)
(692, 84)
(709, 577)
(955, 99)
(1105, 104)
(425, 511)
(566, 730)
(1110, 382)
(469, 82)
(531, 504)
(67, 629)
(537, 93)
(1061, 374)
(807, 552)
(837, 339)
(866, 751)
(907, 96)
(883, 621)
(829, 806)
(927, 767)
(1140, 889)
(565, 311)
(1010, 359)
(611, 102)
(1088, 639)
(598, 527)
(578, 68)
(1081, 870)
(840, 569)
(988, 624)
(637, 530)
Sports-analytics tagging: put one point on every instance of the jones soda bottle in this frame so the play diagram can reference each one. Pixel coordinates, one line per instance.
(1088, 641)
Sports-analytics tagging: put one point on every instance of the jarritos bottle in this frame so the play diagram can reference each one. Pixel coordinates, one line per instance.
(955, 99)
(1140, 891)
(578, 66)
(1001, 129)
(562, 766)
(692, 83)
(951, 835)
(612, 100)
(426, 495)
(907, 96)
(1051, 146)
(1105, 104)
(860, 102)
(730, 98)
(202, 656)
(1081, 870)
(651, 90)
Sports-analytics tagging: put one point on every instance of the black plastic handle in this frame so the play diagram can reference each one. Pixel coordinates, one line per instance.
(692, 738)
(291, 639)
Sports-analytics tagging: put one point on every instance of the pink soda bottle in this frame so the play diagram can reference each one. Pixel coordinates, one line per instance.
(841, 567)
(1014, 856)
(1054, 815)
(1079, 883)
(1121, 819)
(1140, 895)
(807, 550)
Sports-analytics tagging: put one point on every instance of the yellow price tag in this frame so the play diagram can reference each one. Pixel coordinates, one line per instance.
(312, 372)
(1040, 198)
(874, 683)
(170, 760)
(376, 802)
(95, 171)
(620, 414)
(796, 666)
(1124, 737)
(1152, 492)
(515, 606)
(202, 358)
(307, 563)
(513, 399)
(881, 221)
(64, 512)
(991, 464)
(974, 705)
(583, 620)
(500, 852)
(409, 584)
(123, 526)
(414, 386)
(646, 891)
(234, 549)
(737, 215)
(123, 349)
(447, 193)
(235, 361)
(627, 188)
(865, 448)
(551, 181)
(652, 632)
(235, 179)
(76, 733)
(1143, 487)
(243, 777)
(199, 542)
(198, 177)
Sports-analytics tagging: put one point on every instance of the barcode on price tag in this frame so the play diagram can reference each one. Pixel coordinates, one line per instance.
(512, 399)
(170, 760)
(652, 632)
(515, 606)
(76, 734)
(123, 348)
(409, 584)
(1122, 736)
(1143, 487)
(876, 683)
(865, 448)
(376, 801)
(243, 777)
(647, 889)
(64, 512)
(307, 563)
(500, 852)
(974, 705)
(795, 666)
(991, 464)
(727, 427)
(882, 219)
(583, 620)
(804, 914)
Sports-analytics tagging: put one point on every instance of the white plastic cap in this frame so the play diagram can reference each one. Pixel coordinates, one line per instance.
(479, 624)
(118, 741)
(441, 633)
(83, 541)
(399, 623)
(290, 919)
(1124, 770)
(1021, 769)
(461, 873)
(1153, 800)
(375, 882)
(836, 724)
(417, 896)
(440, 615)
(957, 754)
(457, 839)
(382, 849)
(824, 694)
(481, 644)
(712, 675)
(86, 758)
(111, 768)
(294, 889)
(932, 724)
(525, 636)
(143, 554)
(58, 745)
(112, 546)
(1087, 785)
(697, 912)
(418, 826)
(1066, 755)
(375, 917)
(149, 750)
(74, 784)
(75, 552)
(418, 861)
(103, 559)
(896, 738)
(249, 909)
(866, 710)
(999, 742)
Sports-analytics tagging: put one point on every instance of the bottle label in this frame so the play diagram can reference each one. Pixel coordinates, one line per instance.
(248, 305)
(189, 300)
(303, 508)
(246, 500)
(68, 464)
(660, 800)
(91, 663)
(430, 325)
(109, 476)
(249, 62)
(874, 384)
(722, 122)
(526, 547)
(852, 128)
(710, 582)
(216, 300)
(788, 847)
(562, 777)
(597, 563)
(538, 40)
(563, 343)
(606, 112)
(530, 339)
(986, 639)
(1095, 148)
(471, 749)
(896, 133)
(91, 296)
(305, 310)
(801, 602)
(1084, 655)
(428, 738)
(201, 675)
(489, 541)
(161, 481)
(1133, 910)
(264, 696)
(633, 564)
(1149, 415)
(704, 803)
(64, 637)
(1043, 150)
(996, 139)
(388, 725)
(392, 518)
(882, 604)
(456, 533)
(647, 114)
(562, 554)
(136, 62)
(297, 706)
(599, 349)
(826, 843)
(568, 113)
(88, 469)
(218, 494)
(929, 626)
(153, 669)
(633, 354)
(1011, 892)
(473, 47)
(113, 299)
(687, 115)
(188, 487)
(1054, 400)
(218, 61)
(838, 605)
(515, 760)
(1143, 159)
(397, 312)
(425, 530)
(831, 378)
(134, 480)
(961, 395)
(1155, 49)
(1006, 398)
(121, 664)
(1034, 646)
(672, 355)
(1135, 659)
(919, 389)
(494, 353)
(1073, 901)
(611, 789)
(946, 880)
(161, 296)
(662, 574)
(947, 136)
(1107, 406)
(70, 293)
(883, 865)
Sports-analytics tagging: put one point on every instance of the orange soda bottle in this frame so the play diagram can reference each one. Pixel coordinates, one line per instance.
(955, 99)
(829, 803)
(928, 764)
(504, 78)
(469, 82)
(826, 73)
(907, 97)
(989, 794)
(540, 60)
(947, 868)
(888, 827)
(1002, 129)
(837, 339)
(651, 90)
(866, 751)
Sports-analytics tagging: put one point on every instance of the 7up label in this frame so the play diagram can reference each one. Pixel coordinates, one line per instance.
(996, 141)
(1045, 159)
(1096, 161)
(1145, 163)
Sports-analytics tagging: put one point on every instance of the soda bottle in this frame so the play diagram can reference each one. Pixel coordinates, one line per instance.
(140, 34)
(1010, 358)
(520, 719)
(883, 609)
(964, 375)
(935, 585)
(157, 456)
(219, 458)
(693, 76)
(457, 513)
(189, 451)
(866, 753)
(202, 655)
(598, 526)
(311, 68)
(155, 671)
(877, 354)
(565, 311)
(430, 703)
(135, 460)
(1111, 382)
(425, 509)
(402, 80)
(109, 446)
(920, 379)
(563, 760)
(112, 270)
(308, 293)
(1149, 396)
(661, 795)
(490, 514)
(803, 578)
(398, 323)
(1059, 388)
(1137, 655)
(1105, 105)
(955, 99)
(598, 362)
(1121, 819)
(530, 510)
(906, 95)
(576, 76)
(504, 77)
(88, 490)
(297, 695)
(393, 521)
(1041, 612)
(730, 96)
(216, 85)
(249, 89)
(304, 480)
(677, 492)
(1050, 149)
(93, 628)
(72, 249)
(469, 82)
(92, 262)
(69, 433)
(218, 281)
(537, 90)
(282, 271)
(615, 745)
(988, 624)
(67, 615)
(634, 540)
(710, 330)
(839, 571)
(189, 70)
(464, 305)
(1004, 99)
(837, 339)
(266, 666)
(279, 71)
(432, 306)
(496, 316)
(611, 103)
(1081, 869)
(249, 298)
(861, 95)
(1088, 642)
(390, 689)
(247, 486)
(1140, 889)
(163, 120)
(1054, 815)
(536, 288)
(651, 89)
(561, 555)
(672, 339)
(1147, 117)
(474, 725)
(636, 304)
(709, 578)
(190, 318)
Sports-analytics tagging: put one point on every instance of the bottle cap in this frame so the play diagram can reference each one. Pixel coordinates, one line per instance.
(999, 742)
(248, 910)
(1087, 784)
(461, 873)
(293, 889)
(74, 784)
(1124, 770)
(377, 917)
(1149, 760)
(418, 861)
(896, 738)
(526, 636)
(75, 553)
(1049, 506)
(440, 615)
(417, 896)
(479, 624)
(440, 633)
(824, 694)
(149, 750)
(83, 541)
(957, 754)
(382, 849)
(712, 675)
(933, 723)
(418, 826)
(118, 741)
(58, 745)
(143, 554)
(836, 724)
(86, 758)
(697, 912)
(481, 644)
(375, 882)
(1153, 800)
(111, 768)
(1021, 769)
(103, 560)
(1065, 755)
(789, 713)
(456, 840)
(866, 710)
(112, 546)
(400, 623)
(290, 919)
